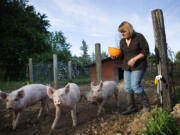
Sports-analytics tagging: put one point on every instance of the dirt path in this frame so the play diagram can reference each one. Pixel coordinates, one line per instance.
(109, 123)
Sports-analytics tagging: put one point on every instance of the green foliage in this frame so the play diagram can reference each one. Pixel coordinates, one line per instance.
(151, 58)
(9, 86)
(177, 94)
(85, 58)
(23, 33)
(161, 123)
(104, 55)
(177, 58)
(82, 80)
(84, 48)
(59, 45)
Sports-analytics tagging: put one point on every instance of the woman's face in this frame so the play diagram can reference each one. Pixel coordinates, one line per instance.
(125, 34)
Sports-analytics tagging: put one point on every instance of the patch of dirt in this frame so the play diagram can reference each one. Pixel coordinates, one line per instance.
(108, 123)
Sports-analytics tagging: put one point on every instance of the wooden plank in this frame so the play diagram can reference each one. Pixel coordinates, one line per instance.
(30, 71)
(162, 57)
(69, 71)
(98, 63)
(55, 70)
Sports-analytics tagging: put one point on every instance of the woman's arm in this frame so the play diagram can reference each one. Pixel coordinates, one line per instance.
(143, 53)
(133, 60)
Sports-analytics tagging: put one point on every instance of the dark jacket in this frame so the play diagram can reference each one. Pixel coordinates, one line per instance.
(137, 45)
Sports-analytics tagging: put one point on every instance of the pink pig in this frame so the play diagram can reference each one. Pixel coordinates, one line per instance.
(103, 91)
(23, 97)
(65, 98)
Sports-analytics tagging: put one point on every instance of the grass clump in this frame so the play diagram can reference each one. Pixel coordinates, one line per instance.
(161, 123)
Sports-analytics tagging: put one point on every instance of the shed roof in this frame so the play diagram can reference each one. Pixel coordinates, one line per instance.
(103, 61)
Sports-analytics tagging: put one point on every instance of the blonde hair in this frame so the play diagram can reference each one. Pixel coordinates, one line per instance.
(126, 26)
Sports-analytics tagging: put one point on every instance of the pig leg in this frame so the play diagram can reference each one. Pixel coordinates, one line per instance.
(116, 94)
(73, 115)
(58, 115)
(47, 106)
(100, 107)
(46, 103)
(43, 105)
(16, 116)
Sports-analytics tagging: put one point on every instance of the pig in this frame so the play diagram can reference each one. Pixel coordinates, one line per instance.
(103, 91)
(28, 95)
(65, 98)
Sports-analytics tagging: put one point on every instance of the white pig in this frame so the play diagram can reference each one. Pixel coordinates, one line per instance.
(103, 91)
(65, 98)
(23, 97)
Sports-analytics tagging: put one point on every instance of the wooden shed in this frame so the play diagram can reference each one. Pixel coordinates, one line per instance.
(111, 70)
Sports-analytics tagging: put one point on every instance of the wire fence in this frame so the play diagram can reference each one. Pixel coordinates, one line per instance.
(43, 73)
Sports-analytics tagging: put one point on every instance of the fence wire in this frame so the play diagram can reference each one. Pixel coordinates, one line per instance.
(43, 72)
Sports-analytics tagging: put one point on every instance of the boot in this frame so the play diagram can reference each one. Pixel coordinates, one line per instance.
(130, 104)
(144, 101)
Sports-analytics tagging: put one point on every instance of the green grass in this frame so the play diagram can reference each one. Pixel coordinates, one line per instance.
(82, 80)
(12, 85)
(6, 86)
(161, 123)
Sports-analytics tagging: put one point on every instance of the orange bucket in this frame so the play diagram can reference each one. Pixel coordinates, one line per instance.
(114, 51)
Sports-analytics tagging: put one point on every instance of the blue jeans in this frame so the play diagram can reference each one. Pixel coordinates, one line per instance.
(132, 81)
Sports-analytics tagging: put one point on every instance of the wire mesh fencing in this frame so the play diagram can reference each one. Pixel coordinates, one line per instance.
(43, 73)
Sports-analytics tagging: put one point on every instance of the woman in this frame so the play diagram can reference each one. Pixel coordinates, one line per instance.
(134, 53)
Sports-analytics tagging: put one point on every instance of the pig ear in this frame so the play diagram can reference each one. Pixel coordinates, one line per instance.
(3, 95)
(67, 88)
(21, 93)
(101, 84)
(50, 92)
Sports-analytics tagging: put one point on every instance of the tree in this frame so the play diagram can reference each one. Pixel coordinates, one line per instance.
(59, 45)
(177, 58)
(104, 55)
(85, 58)
(84, 48)
(151, 58)
(23, 33)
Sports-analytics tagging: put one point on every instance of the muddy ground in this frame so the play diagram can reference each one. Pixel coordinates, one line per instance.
(108, 123)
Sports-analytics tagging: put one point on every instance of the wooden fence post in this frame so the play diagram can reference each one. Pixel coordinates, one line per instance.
(162, 58)
(69, 71)
(30, 71)
(98, 62)
(55, 69)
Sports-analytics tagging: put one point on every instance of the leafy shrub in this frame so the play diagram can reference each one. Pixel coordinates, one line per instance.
(161, 123)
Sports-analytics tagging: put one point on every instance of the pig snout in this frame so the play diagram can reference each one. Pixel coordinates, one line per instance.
(56, 102)
(94, 96)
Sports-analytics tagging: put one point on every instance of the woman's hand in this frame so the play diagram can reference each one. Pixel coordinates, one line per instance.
(113, 57)
(131, 62)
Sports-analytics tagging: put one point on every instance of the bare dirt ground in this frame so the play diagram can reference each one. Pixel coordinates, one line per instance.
(108, 123)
